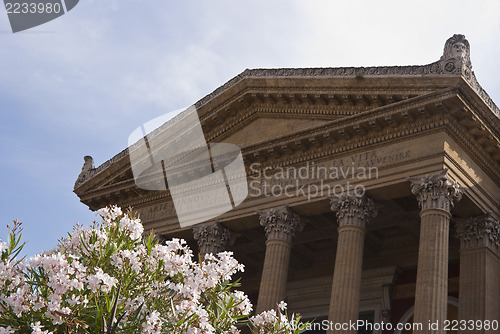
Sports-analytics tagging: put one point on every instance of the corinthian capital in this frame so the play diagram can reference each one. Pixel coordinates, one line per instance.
(213, 238)
(353, 210)
(280, 223)
(437, 191)
(482, 231)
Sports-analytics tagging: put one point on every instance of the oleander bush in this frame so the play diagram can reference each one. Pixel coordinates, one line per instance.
(110, 278)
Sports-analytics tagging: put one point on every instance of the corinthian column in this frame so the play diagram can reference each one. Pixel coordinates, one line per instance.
(435, 195)
(280, 225)
(479, 270)
(213, 238)
(353, 213)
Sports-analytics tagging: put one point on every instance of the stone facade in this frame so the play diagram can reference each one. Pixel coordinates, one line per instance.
(417, 150)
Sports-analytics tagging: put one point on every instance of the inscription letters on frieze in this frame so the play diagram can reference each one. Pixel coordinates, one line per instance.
(360, 166)
(309, 180)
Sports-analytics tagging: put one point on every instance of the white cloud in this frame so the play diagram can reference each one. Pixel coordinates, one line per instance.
(391, 32)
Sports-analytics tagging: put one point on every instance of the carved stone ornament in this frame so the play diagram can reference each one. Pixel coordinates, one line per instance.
(437, 191)
(353, 210)
(482, 231)
(456, 55)
(88, 166)
(213, 238)
(280, 223)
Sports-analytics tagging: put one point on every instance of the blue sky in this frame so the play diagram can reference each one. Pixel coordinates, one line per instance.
(79, 85)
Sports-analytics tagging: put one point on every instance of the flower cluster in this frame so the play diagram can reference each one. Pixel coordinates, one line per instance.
(276, 322)
(109, 278)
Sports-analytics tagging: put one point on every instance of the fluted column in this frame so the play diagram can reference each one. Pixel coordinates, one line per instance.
(435, 195)
(213, 238)
(280, 225)
(353, 213)
(479, 270)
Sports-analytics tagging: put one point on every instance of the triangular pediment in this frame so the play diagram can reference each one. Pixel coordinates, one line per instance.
(256, 110)
(266, 128)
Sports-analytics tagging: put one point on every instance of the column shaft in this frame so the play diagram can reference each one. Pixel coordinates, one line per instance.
(280, 225)
(435, 194)
(431, 296)
(479, 287)
(346, 286)
(353, 213)
(274, 274)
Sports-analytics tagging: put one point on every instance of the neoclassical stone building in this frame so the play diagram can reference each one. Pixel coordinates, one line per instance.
(373, 192)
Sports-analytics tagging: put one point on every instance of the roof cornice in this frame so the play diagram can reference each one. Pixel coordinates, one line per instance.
(455, 61)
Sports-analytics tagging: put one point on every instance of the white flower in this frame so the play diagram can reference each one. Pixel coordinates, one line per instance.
(7, 330)
(3, 246)
(133, 227)
(101, 280)
(153, 324)
(37, 329)
(282, 305)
